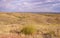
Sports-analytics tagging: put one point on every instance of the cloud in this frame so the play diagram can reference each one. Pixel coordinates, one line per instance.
(56, 7)
(30, 5)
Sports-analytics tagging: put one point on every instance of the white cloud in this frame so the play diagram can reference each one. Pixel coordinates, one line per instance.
(10, 6)
(24, 5)
(50, 0)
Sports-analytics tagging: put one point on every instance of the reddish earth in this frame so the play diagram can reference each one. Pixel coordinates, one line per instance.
(14, 36)
(9, 36)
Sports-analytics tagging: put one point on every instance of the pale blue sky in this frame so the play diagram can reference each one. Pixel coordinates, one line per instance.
(29, 5)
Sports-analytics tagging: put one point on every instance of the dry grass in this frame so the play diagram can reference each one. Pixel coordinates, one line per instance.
(45, 23)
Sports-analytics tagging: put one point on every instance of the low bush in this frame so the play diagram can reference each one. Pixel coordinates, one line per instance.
(28, 30)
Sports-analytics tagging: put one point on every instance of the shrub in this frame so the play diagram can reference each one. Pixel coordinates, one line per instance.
(28, 30)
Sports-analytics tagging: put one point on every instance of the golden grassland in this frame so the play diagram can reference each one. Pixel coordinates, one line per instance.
(45, 24)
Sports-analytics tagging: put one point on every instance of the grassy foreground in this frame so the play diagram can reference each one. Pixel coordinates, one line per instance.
(29, 25)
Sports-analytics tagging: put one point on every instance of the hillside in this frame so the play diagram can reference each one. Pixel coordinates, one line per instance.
(43, 22)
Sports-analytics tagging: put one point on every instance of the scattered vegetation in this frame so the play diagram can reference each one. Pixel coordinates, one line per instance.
(12, 21)
(52, 33)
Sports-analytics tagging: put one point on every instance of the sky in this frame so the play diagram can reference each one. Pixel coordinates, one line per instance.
(29, 5)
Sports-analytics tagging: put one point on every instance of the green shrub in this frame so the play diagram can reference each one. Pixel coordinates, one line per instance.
(28, 30)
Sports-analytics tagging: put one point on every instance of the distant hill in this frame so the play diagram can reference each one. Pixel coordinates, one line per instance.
(18, 18)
